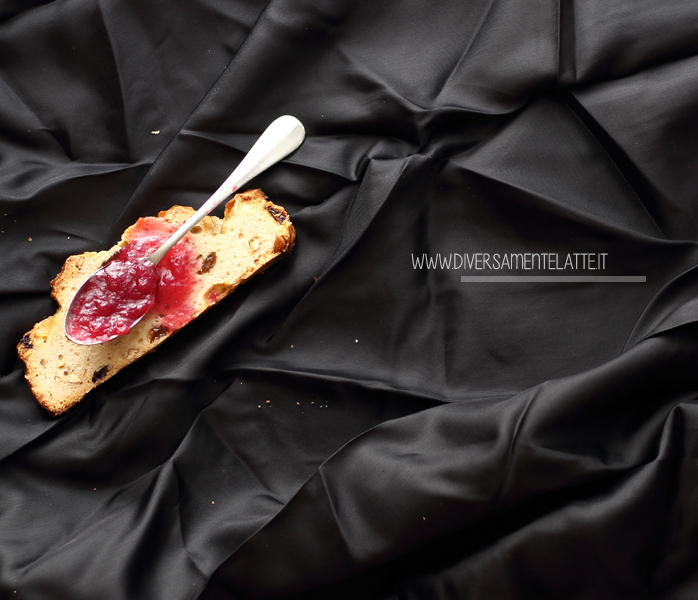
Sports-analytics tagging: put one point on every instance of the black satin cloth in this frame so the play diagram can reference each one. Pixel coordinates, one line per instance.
(345, 425)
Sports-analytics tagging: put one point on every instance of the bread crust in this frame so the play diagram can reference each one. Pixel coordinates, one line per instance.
(253, 234)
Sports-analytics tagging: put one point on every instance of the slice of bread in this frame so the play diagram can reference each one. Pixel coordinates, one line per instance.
(252, 235)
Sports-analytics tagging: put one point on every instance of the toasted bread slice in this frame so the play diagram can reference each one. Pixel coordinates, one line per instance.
(252, 235)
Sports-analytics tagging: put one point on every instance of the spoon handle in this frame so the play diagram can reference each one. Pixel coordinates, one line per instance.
(281, 138)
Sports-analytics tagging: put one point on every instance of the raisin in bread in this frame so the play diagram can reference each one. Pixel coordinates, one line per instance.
(252, 235)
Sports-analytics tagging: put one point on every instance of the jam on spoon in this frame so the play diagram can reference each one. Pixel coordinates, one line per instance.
(123, 291)
(113, 300)
(118, 295)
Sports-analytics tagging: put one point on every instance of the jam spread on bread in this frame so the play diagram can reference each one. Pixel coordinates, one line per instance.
(207, 265)
(128, 287)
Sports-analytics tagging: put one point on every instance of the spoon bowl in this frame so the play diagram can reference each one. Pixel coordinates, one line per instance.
(122, 311)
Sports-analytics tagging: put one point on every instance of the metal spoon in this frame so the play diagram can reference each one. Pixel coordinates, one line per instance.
(281, 138)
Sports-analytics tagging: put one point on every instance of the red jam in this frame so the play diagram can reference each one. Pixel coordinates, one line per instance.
(113, 300)
(117, 296)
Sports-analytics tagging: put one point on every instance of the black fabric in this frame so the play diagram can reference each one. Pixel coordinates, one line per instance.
(350, 425)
